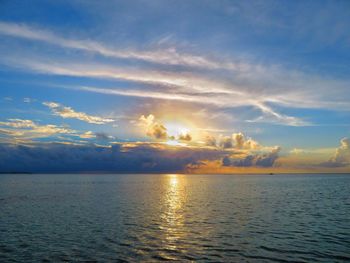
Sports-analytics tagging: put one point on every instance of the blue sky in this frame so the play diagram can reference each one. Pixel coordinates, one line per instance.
(103, 73)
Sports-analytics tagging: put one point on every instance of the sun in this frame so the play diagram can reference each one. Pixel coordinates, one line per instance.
(175, 129)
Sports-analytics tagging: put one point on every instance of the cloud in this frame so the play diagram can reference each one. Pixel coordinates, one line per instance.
(341, 157)
(269, 115)
(238, 141)
(99, 136)
(225, 142)
(19, 123)
(266, 88)
(118, 157)
(128, 157)
(68, 112)
(210, 140)
(297, 151)
(169, 56)
(185, 137)
(87, 135)
(157, 130)
(29, 129)
(260, 160)
(28, 100)
(103, 136)
(154, 129)
(198, 87)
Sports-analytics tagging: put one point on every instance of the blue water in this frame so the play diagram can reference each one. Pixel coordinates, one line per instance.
(229, 218)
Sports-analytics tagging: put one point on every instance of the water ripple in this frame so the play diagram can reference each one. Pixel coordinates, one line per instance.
(208, 218)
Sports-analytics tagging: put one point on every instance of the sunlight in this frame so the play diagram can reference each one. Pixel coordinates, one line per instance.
(175, 129)
(174, 143)
(173, 180)
(173, 203)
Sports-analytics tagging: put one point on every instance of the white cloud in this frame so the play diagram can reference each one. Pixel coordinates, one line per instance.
(29, 129)
(168, 56)
(87, 135)
(28, 100)
(153, 128)
(263, 87)
(238, 141)
(68, 112)
(342, 155)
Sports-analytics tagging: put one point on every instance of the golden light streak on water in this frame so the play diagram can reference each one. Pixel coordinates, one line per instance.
(172, 217)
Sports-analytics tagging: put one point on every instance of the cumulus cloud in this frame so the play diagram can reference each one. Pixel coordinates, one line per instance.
(157, 130)
(260, 160)
(210, 141)
(238, 141)
(154, 128)
(185, 137)
(225, 142)
(341, 157)
(68, 112)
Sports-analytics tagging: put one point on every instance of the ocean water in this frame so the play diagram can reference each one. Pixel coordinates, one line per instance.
(217, 218)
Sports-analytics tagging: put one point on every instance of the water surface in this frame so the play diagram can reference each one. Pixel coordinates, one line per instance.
(241, 218)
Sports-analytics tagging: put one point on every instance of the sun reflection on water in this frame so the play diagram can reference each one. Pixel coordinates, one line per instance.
(172, 218)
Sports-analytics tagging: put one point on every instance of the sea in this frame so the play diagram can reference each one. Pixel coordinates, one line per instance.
(174, 217)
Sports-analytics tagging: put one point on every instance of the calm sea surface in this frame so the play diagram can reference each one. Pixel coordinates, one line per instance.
(230, 218)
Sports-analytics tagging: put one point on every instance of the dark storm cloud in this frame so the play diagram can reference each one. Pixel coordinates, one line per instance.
(142, 157)
(120, 157)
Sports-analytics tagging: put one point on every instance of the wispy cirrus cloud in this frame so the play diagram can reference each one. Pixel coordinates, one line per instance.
(263, 87)
(67, 112)
(169, 56)
(187, 87)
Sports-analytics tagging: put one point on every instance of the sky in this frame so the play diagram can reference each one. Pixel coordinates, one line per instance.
(174, 86)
